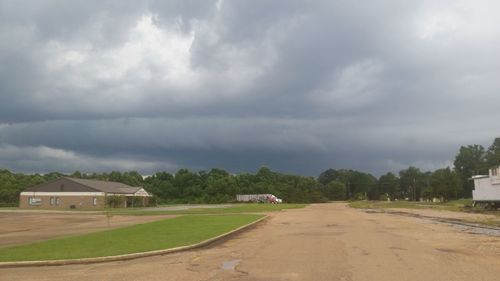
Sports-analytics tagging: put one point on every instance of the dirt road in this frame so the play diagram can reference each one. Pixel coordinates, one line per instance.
(320, 242)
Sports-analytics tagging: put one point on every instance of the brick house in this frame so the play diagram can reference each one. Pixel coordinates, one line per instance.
(72, 193)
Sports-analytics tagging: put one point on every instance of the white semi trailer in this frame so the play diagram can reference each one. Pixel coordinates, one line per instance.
(264, 198)
(486, 191)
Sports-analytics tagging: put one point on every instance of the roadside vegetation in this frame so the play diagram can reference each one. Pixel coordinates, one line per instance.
(454, 205)
(163, 234)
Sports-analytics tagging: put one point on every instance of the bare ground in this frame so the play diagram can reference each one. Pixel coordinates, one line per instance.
(320, 242)
(447, 214)
(25, 227)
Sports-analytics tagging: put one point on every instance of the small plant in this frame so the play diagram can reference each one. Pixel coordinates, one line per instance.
(152, 201)
(136, 202)
(384, 197)
(115, 201)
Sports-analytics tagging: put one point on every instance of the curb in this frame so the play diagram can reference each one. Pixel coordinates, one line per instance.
(130, 256)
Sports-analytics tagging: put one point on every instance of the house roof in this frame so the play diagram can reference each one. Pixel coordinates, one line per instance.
(67, 184)
(107, 186)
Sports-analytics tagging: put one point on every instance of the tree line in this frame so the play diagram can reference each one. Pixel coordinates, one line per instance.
(185, 186)
(219, 186)
(412, 183)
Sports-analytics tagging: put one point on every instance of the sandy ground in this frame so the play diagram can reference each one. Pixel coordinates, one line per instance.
(320, 242)
(446, 214)
(24, 227)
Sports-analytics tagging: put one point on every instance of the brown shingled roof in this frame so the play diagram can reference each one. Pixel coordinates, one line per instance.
(107, 186)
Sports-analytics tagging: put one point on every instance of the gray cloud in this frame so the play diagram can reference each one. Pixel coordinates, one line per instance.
(298, 86)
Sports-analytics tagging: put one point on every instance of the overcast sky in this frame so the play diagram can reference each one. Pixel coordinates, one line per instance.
(298, 86)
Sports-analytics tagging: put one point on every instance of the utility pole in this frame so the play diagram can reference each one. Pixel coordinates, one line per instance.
(414, 190)
(347, 190)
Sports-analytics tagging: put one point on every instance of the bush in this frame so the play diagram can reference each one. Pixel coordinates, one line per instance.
(9, 204)
(136, 202)
(384, 197)
(153, 201)
(115, 201)
(335, 190)
(317, 197)
(359, 196)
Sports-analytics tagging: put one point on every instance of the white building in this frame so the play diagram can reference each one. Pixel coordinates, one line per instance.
(487, 187)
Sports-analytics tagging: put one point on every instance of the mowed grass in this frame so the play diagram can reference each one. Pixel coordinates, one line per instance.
(234, 209)
(164, 234)
(461, 205)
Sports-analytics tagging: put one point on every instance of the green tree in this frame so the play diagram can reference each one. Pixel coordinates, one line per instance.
(328, 176)
(493, 154)
(188, 186)
(470, 160)
(446, 183)
(335, 190)
(358, 184)
(412, 182)
(161, 185)
(132, 178)
(389, 184)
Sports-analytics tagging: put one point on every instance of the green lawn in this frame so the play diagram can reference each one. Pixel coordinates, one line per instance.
(235, 209)
(157, 235)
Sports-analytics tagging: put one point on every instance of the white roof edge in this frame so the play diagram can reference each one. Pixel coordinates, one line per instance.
(479, 177)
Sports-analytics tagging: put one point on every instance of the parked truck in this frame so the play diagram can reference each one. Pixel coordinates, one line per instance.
(486, 191)
(260, 198)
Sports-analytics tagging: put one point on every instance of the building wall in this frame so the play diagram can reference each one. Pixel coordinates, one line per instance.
(486, 189)
(65, 201)
(80, 193)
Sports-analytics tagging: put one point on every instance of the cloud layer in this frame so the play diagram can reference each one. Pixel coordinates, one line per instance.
(300, 87)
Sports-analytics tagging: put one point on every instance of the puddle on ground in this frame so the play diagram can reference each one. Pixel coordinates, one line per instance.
(230, 265)
(371, 211)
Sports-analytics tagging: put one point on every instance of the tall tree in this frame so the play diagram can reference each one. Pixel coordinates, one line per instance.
(493, 154)
(412, 181)
(358, 184)
(446, 183)
(335, 190)
(389, 184)
(328, 176)
(470, 160)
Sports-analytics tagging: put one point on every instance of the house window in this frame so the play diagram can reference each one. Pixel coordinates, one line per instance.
(94, 201)
(52, 200)
(34, 201)
(57, 200)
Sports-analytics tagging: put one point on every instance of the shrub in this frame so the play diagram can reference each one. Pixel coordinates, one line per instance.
(115, 201)
(153, 201)
(384, 197)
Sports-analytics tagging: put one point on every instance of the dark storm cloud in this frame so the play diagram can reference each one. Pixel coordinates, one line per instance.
(298, 86)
